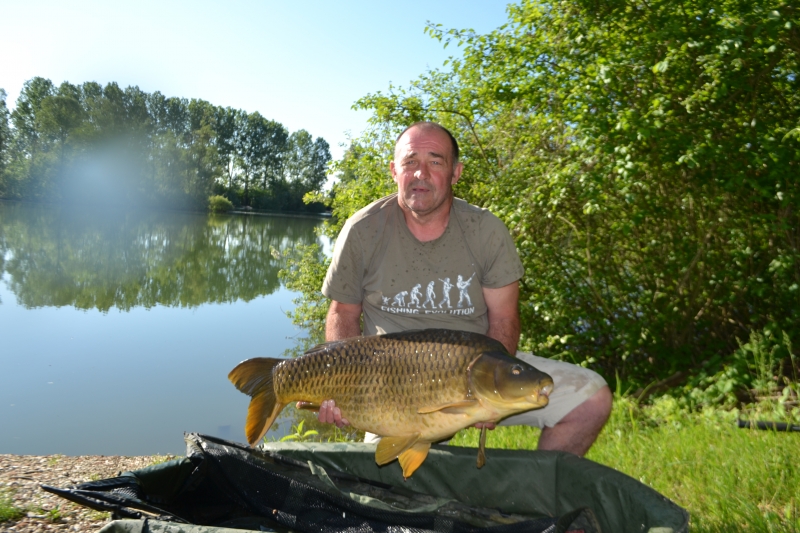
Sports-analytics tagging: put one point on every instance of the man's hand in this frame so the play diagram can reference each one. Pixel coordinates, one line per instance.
(330, 414)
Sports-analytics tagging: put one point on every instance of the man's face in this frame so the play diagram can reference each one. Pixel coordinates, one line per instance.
(423, 170)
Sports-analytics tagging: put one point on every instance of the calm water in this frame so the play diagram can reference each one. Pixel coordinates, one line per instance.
(117, 331)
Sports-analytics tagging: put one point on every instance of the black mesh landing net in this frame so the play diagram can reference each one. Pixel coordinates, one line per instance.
(225, 484)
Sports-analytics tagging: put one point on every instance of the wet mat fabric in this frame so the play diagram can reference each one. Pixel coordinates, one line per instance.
(222, 484)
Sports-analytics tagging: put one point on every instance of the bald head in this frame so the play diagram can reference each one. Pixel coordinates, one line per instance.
(431, 126)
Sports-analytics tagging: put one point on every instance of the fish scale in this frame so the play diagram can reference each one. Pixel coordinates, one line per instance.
(412, 388)
(382, 381)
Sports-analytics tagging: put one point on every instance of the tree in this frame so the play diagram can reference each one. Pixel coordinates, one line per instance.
(105, 145)
(643, 156)
(259, 145)
(305, 165)
(5, 138)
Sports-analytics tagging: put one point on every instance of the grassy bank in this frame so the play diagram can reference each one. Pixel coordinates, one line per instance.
(729, 479)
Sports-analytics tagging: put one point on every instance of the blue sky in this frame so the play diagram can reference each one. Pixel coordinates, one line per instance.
(302, 63)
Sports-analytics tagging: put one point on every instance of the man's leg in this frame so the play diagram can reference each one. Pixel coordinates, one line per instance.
(577, 431)
(579, 407)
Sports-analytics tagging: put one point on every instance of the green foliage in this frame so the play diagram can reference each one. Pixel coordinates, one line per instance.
(53, 515)
(219, 204)
(729, 479)
(761, 377)
(8, 511)
(90, 260)
(304, 272)
(317, 432)
(643, 157)
(298, 434)
(109, 146)
(5, 138)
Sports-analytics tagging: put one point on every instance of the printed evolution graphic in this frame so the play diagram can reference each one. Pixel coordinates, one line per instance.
(430, 305)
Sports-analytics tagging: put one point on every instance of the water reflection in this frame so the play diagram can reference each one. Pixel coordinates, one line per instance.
(117, 331)
(126, 260)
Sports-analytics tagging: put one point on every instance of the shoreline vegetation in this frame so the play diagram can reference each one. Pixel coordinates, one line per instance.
(645, 159)
(200, 211)
(108, 146)
(728, 478)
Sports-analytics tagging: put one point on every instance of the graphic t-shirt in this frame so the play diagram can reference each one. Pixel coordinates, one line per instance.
(405, 284)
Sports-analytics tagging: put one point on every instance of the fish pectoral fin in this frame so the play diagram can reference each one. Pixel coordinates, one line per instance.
(389, 448)
(309, 406)
(413, 457)
(455, 408)
(482, 448)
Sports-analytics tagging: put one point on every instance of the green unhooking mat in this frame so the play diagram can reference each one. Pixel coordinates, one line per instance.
(225, 487)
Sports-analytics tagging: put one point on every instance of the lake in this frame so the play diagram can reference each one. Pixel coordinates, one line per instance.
(118, 329)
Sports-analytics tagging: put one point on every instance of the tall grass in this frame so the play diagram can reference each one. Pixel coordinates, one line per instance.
(729, 479)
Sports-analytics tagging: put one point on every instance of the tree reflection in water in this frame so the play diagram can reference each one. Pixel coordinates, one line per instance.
(103, 260)
(194, 295)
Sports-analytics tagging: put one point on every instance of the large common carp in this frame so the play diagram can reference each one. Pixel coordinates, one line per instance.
(412, 388)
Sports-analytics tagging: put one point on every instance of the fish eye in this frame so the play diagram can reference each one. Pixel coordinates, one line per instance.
(516, 370)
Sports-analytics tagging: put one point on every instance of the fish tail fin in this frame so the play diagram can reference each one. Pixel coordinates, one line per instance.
(254, 378)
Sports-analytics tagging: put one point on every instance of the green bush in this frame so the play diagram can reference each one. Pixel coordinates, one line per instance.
(641, 156)
(219, 204)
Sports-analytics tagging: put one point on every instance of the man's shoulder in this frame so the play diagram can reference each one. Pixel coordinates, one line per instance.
(378, 208)
(466, 211)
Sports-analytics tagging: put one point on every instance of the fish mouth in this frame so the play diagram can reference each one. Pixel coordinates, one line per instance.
(542, 397)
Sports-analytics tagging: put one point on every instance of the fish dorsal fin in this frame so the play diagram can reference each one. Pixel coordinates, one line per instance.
(391, 447)
(413, 457)
(454, 408)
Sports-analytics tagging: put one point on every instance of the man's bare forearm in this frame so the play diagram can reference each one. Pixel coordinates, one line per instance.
(343, 321)
(502, 304)
(506, 331)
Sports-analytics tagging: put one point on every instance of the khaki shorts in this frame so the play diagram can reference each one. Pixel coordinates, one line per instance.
(572, 385)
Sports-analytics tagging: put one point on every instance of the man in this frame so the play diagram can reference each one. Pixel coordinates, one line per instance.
(423, 234)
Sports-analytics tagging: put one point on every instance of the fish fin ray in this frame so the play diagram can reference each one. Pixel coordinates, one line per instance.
(309, 406)
(413, 457)
(253, 375)
(482, 448)
(458, 407)
(254, 378)
(261, 414)
(390, 447)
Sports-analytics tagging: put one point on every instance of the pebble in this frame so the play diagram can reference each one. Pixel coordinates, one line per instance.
(21, 475)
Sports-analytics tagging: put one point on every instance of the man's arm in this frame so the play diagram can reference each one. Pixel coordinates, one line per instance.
(343, 321)
(503, 304)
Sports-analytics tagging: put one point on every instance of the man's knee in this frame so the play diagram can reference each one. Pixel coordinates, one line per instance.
(597, 408)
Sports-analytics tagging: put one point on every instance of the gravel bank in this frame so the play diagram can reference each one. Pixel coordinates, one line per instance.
(21, 475)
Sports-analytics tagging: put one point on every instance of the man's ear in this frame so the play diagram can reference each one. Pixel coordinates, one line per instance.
(457, 173)
(392, 169)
